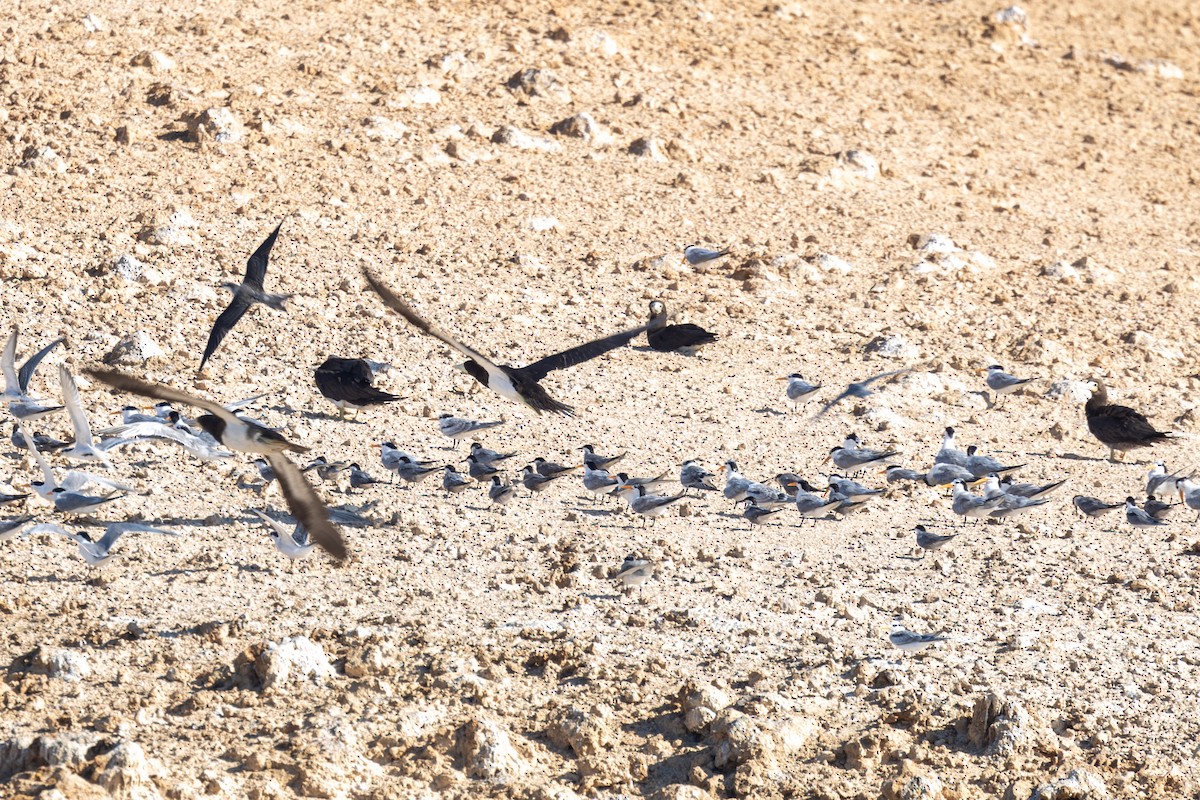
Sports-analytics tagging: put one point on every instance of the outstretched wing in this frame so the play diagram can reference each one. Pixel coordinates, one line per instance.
(79, 420)
(578, 354)
(400, 307)
(307, 507)
(26, 373)
(229, 317)
(9, 362)
(256, 267)
(128, 383)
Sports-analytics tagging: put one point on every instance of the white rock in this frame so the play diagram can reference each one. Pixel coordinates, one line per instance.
(488, 753)
(382, 129)
(583, 126)
(1072, 391)
(129, 268)
(543, 223)
(939, 243)
(67, 665)
(1061, 271)
(295, 657)
(515, 137)
(219, 124)
(94, 24)
(894, 346)
(532, 83)
(134, 350)
(860, 163)
(420, 96)
(600, 42)
(831, 263)
(42, 159)
(128, 774)
(1161, 68)
(648, 147)
(155, 60)
(1079, 784)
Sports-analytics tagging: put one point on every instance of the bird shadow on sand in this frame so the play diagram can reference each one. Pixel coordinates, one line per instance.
(1096, 459)
(595, 512)
(321, 415)
(775, 412)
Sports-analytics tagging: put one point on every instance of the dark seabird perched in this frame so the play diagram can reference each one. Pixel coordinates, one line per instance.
(245, 294)
(670, 338)
(1119, 428)
(248, 436)
(519, 384)
(347, 383)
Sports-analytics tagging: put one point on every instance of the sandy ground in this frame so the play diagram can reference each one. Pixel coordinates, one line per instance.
(466, 651)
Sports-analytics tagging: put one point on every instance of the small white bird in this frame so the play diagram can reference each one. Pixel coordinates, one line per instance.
(949, 453)
(16, 383)
(798, 389)
(1189, 493)
(647, 505)
(1003, 383)
(292, 543)
(926, 540)
(910, 642)
(500, 493)
(1139, 518)
(78, 503)
(635, 572)
(94, 552)
(694, 254)
(85, 447)
(1159, 482)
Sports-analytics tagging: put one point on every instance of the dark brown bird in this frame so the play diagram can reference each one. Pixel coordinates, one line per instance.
(1119, 428)
(347, 383)
(248, 436)
(669, 338)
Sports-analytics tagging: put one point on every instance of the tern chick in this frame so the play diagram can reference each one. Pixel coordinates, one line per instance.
(695, 254)
(1092, 507)
(927, 540)
(910, 642)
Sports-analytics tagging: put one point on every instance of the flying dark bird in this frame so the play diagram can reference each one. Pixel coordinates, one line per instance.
(347, 383)
(1119, 428)
(247, 436)
(245, 294)
(859, 389)
(519, 384)
(669, 338)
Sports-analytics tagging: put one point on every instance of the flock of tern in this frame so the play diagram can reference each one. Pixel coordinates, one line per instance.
(220, 431)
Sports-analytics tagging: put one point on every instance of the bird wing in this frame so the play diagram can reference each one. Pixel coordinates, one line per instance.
(9, 362)
(256, 267)
(307, 507)
(47, 474)
(79, 421)
(579, 354)
(400, 307)
(118, 529)
(224, 324)
(31, 363)
(128, 383)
